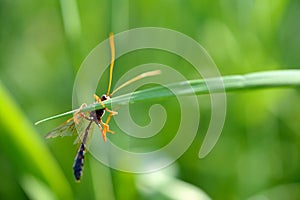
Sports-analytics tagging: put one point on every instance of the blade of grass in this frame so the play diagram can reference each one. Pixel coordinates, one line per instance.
(266, 79)
(101, 178)
(71, 19)
(26, 149)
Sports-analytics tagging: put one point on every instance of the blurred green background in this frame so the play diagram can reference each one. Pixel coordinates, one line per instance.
(43, 44)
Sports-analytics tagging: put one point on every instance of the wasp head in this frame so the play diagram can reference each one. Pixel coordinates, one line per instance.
(104, 97)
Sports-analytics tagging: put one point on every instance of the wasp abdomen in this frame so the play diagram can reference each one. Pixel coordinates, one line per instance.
(78, 163)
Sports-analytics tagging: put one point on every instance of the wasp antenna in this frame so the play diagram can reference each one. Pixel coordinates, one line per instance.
(112, 62)
(143, 75)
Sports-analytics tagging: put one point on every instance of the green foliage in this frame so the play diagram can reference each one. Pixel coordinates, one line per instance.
(258, 155)
(28, 152)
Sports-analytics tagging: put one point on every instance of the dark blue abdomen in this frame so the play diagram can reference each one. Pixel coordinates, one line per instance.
(78, 163)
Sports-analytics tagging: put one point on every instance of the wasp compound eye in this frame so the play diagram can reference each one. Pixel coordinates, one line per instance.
(104, 97)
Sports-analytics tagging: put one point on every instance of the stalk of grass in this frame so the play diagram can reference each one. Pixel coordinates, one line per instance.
(251, 81)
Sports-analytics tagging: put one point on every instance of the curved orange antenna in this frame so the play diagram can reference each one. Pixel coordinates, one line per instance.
(112, 62)
(143, 75)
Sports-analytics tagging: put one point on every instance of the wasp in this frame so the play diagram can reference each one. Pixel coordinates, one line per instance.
(93, 117)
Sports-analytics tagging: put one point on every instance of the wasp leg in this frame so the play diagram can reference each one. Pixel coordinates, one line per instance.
(98, 99)
(105, 125)
(79, 113)
(111, 112)
(101, 130)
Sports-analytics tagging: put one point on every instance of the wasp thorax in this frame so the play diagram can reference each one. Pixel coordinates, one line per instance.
(104, 97)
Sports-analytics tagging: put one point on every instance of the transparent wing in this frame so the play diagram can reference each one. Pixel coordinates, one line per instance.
(83, 128)
(68, 128)
(65, 129)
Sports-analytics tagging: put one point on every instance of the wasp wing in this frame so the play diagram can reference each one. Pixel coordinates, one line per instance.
(69, 128)
(65, 129)
(82, 132)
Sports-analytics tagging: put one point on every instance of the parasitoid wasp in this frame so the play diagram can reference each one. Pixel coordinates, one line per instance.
(68, 127)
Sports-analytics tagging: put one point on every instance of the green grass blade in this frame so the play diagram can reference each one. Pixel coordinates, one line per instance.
(267, 79)
(26, 149)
